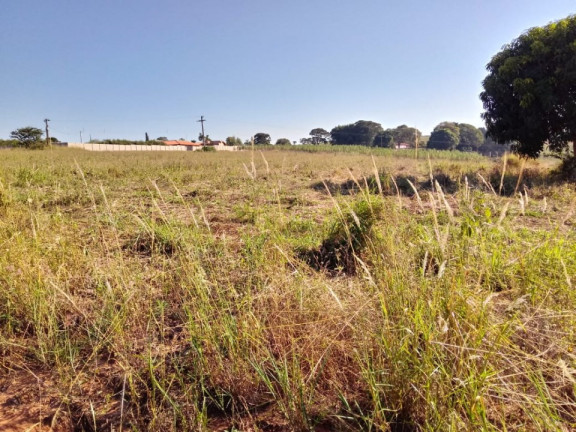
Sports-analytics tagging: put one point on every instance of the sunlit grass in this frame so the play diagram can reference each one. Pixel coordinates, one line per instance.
(177, 292)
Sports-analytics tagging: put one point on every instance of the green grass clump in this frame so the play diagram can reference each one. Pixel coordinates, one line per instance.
(347, 237)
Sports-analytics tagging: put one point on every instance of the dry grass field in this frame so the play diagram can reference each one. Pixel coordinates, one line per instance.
(285, 290)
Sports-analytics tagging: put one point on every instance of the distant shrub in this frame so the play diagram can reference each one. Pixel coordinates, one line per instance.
(283, 141)
(8, 143)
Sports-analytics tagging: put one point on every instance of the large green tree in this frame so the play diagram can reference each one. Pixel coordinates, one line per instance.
(455, 136)
(470, 137)
(384, 139)
(443, 139)
(319, 136)
(362, 132)
(262, 138)
(451, 126)
(529, 94)
(406, 135)
(28, 137)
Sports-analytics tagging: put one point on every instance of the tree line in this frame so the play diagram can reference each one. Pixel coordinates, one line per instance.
(529, 101)
(445, 136)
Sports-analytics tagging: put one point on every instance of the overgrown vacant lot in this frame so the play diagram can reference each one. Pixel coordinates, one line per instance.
(284, 290)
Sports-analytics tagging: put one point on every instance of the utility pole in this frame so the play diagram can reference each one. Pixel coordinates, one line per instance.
(202, 120)
(48, 142)
(416, 139)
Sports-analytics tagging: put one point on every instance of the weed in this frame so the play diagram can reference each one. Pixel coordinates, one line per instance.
(347, 237)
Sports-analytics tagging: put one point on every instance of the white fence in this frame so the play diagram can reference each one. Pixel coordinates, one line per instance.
(138, 147)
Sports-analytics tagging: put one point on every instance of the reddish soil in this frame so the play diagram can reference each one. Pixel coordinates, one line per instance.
(28, 403)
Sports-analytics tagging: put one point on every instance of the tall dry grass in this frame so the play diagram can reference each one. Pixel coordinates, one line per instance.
(166, 293)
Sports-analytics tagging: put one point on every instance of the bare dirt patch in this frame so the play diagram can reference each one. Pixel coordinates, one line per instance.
(28, 402)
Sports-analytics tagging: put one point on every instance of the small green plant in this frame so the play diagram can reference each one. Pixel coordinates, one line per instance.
(156, 238)
(347, 237)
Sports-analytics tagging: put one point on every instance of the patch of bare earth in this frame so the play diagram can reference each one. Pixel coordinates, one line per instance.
(28, 402)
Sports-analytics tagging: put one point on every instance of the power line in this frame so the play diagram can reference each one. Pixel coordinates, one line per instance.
(202, 120)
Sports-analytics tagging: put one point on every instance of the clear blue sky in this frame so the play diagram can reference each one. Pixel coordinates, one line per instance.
(120, 68)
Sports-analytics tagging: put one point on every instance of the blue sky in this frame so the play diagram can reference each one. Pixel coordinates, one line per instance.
(120, 68)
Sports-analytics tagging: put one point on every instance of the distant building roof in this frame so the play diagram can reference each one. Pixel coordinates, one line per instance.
(181, 142)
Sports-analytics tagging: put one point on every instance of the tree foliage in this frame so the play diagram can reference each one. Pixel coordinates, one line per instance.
(28, 137)
(319, 136)
(490, 147)
(455, 136)
(262, 138)
(470, 137)
(451, 126)
(9, 143)
(362, 132)
(405, 135)
(529, 94)
(283, 141)
(385, 139)
(233, 141)
(443, 139)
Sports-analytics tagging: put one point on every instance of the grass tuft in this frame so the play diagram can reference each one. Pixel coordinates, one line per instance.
(347, 237)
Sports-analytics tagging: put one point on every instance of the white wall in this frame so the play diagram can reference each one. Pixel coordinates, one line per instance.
(139, 147)
(119, 147)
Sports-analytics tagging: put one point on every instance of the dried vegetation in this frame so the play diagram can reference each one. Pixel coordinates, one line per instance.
(285, 291)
